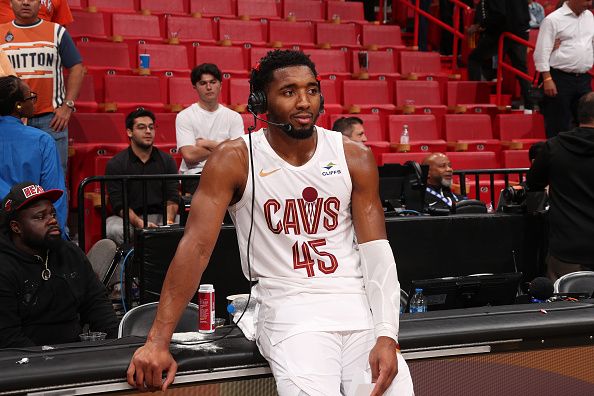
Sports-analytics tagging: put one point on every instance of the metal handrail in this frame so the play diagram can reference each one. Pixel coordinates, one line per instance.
(455, 30)
(124, 180)
(491, 173)
(502, 65)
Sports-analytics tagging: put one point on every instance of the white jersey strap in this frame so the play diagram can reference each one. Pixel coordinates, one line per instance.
(381, 286)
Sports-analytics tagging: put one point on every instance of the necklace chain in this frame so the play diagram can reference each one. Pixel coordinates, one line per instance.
(46, 273)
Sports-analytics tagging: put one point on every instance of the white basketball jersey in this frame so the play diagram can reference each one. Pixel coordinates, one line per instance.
(302, 249)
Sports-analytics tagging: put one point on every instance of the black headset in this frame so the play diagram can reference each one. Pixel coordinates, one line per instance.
(258, 103)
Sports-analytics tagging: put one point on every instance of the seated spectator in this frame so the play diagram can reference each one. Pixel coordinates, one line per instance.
(48, 289)
(351, 127)
(439, 182)
(27, 153)
(201, 127)
(141, 158)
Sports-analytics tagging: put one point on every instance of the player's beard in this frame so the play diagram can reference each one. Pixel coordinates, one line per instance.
(300, 134)
(446, 183)
(49, 241)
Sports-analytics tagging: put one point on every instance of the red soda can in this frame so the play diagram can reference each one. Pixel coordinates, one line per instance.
(206, 305)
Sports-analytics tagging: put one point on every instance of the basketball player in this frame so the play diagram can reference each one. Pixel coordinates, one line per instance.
(327, 308)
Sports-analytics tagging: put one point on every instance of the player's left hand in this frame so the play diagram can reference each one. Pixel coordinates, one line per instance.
(384, 364)
(61, 117)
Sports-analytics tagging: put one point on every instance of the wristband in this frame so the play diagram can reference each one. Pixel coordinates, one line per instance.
(547, 79)
(169, 222)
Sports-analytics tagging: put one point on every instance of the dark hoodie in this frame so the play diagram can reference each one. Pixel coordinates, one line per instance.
(566, 163)
(38, 312)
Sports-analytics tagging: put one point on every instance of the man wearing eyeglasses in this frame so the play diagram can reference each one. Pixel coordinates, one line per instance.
(201, 127)
(38, 50)
(141, 158)
(27, 153)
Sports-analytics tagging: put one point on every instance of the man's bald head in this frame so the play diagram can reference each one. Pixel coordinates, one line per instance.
(440, 170)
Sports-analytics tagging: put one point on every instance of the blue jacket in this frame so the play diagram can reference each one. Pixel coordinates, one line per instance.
(29, 154)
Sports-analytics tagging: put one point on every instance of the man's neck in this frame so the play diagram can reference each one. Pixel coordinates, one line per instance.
(142, 153)
(209, 106)
(434, 185)
(573, 8)
(26, 22)
(296, 152)
(20, 245)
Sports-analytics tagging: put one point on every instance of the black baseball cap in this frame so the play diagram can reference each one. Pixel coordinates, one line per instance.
(23, 194)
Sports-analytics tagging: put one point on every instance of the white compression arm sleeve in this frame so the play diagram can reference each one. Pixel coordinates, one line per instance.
(381, 286)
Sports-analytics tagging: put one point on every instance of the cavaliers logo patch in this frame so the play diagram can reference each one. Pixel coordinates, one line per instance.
(9, 37)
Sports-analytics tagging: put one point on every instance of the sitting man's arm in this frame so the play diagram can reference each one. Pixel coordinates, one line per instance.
(96, 308)
(11, 332)
(377, 263)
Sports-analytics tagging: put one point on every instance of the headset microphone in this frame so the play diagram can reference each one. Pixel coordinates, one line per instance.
(285, 127)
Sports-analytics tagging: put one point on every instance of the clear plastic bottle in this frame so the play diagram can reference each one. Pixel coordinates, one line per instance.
(404, 138)
(240, 304)
(418, 302)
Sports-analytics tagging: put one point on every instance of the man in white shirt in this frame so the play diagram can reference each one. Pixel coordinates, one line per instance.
(204, 125)
(564, 67)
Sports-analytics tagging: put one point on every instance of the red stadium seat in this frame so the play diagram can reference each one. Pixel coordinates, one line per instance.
(88, 25)
(136, 27)
(239, 91)
(104, 57)
(515, 159)
(181, 93)
(519, 130)
(337, 35)
(257, 53)
(291, 33)
(164, 7)
(420, 63)
(470, 132)
(345, 11)
(165, 57)
(420, 97)
(332, 94)
(130, 92)
(218, 8)
(304, 10)
(381, 64)
(258, 9)
(418, 93)
(424, 134)
(97, 128)
(112, 5)
(87, 100)
(239, 32)
(230, 60)
(76, 4)
(330, 63)
(401, 158)
(368, 96)
(165, 129)
(382, 36)
(188, 29)
(470, 96)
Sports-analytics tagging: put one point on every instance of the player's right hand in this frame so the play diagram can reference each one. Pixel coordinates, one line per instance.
(146, 368)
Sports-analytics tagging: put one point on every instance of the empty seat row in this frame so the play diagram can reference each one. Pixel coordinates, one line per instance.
(207, 30)
(294, 9)
(355, 96)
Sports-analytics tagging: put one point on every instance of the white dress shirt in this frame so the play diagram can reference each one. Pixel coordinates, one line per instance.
(576, 32)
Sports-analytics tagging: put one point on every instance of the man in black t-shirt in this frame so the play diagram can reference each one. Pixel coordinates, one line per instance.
(438, 194)
(141, 158)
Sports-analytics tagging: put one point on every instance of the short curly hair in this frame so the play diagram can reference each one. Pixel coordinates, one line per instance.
(10, 92)
(277, 59)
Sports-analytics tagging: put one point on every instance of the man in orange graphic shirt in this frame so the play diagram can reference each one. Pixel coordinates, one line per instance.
(56, 11)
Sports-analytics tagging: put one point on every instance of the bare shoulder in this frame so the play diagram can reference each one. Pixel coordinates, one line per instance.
(227, 165)
(359, 157)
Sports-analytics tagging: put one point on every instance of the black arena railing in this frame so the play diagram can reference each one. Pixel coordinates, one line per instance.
(145, 179)
(124, 180)
(477, 173)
